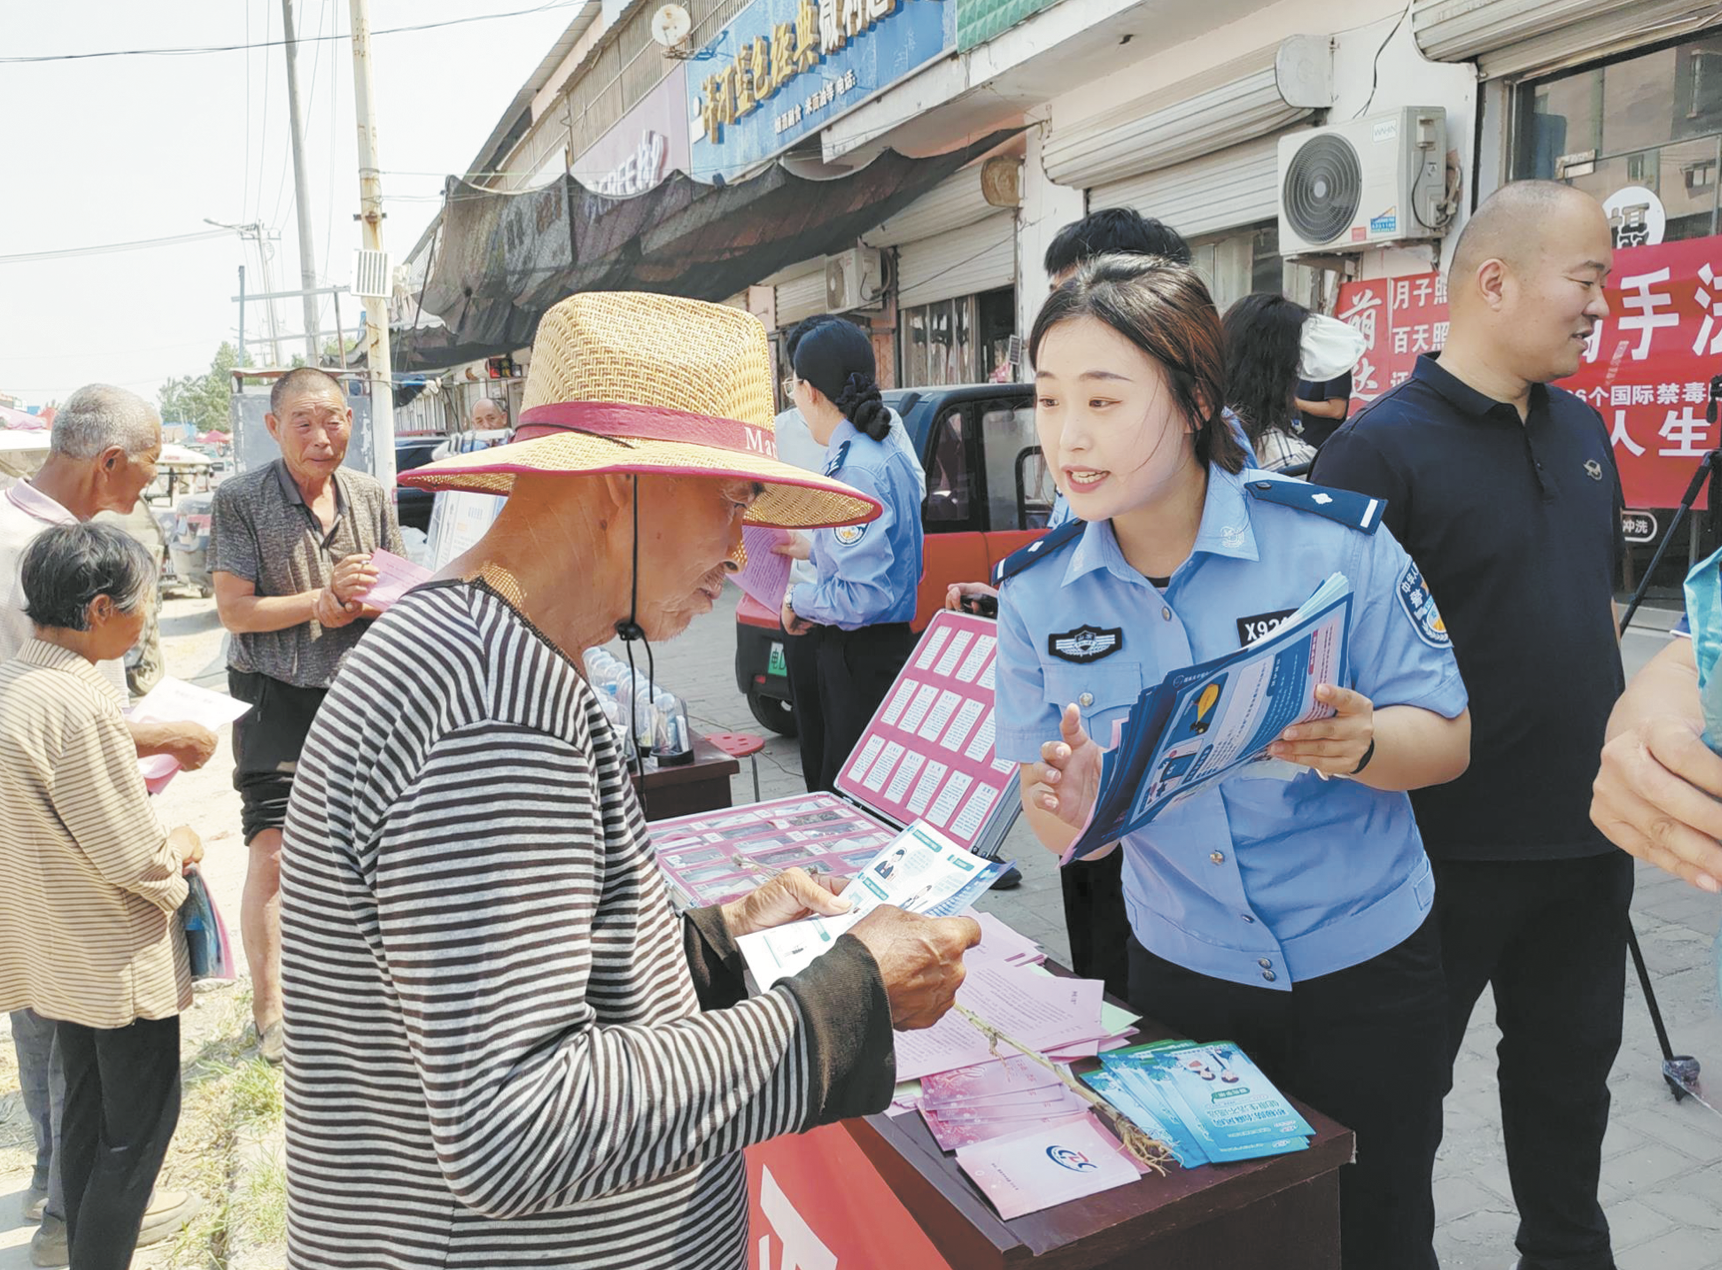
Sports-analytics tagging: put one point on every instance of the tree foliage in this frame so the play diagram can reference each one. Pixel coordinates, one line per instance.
(202, 400)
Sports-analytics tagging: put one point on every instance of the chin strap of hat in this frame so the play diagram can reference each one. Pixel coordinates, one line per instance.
(630, 630)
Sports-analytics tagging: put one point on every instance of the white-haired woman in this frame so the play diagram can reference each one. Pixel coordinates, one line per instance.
(92, 883)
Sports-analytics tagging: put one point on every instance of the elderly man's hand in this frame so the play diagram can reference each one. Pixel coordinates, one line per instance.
(1656, 796)
(185, 841)
(920, 959)
(788, 897)
(332, 613)
(354, 576)
(191, 744)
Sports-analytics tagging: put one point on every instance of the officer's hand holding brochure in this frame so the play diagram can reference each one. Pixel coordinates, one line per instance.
(1203, 722)
(920, 871)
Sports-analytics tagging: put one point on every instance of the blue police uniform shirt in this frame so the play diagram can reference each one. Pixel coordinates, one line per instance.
(1061, 506)
(1274, 875)
(869, 574)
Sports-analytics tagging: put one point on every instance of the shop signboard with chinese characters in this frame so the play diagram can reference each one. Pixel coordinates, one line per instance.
(783, 69)
(1647, 368)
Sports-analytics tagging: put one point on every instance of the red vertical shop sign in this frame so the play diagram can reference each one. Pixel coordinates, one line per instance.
(1647, 369)
(815, 1202)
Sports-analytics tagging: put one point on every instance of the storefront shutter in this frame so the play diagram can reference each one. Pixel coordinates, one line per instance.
(801, 294)
(963, 261)
(1256, 95)
(1239, 186)
(953, 203)
(1512, 37)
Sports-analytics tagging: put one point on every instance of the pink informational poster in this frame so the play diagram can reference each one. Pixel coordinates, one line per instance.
(718, 856)
(928, 752)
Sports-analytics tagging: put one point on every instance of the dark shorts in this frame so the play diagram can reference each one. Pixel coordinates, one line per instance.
(266, 744)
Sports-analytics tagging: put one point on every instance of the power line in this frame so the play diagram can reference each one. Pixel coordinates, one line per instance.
(103, 248)
(234, 48)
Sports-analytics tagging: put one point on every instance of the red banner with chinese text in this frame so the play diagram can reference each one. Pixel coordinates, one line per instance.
(1647, 369)
(815, 1202)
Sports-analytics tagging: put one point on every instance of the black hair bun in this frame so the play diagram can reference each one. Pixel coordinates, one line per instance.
(863, 406)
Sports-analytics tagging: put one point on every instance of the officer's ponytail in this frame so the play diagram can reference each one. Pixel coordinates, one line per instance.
(862, 405)
(836, 357)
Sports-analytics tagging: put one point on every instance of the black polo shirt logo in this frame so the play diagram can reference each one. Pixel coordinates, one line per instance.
(1593, 469)
(1255, 627)
(1085, 643)
(1420, 608)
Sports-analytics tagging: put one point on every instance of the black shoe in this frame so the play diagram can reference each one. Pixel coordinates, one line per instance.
(1009, 880)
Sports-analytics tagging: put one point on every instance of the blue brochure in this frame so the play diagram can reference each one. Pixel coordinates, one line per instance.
(1203, 722)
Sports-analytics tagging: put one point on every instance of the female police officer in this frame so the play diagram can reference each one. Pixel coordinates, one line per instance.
(1281, 909)
(856, 613)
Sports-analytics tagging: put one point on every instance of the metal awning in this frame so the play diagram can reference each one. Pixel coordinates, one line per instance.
(503, 259)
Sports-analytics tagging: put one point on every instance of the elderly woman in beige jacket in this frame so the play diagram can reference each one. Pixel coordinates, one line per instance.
(88, 929)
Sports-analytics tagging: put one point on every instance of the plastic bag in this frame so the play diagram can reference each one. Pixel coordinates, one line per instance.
(206, 941)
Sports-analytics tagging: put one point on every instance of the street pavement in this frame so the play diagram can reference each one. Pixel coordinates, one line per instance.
(1662, 1173)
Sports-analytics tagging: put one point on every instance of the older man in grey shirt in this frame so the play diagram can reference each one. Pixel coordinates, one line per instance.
(290, 551)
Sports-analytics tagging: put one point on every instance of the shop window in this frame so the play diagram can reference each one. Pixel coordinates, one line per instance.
(1241, 262)
(937, 344)
(1653, 119)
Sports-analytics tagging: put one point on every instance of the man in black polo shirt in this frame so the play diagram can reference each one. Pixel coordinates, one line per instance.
(1505, 493)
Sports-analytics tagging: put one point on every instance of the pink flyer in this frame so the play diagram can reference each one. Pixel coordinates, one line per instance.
(928, 752)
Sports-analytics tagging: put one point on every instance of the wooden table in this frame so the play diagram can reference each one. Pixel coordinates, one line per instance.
(702, 785)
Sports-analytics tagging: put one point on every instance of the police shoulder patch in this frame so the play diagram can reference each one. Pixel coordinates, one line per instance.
(1046, 545)
(1419, 606)
(1359, 511)
(849, 535)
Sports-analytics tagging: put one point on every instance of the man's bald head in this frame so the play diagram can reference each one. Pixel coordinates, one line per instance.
(1526, 288)
(1514, 223)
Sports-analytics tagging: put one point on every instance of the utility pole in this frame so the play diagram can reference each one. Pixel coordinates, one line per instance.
(301, 192)
(378, 364)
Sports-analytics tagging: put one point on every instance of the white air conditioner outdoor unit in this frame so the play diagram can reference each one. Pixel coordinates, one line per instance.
(854, 279)
(1379, 179)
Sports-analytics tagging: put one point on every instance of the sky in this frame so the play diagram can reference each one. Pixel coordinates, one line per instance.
(117, 149)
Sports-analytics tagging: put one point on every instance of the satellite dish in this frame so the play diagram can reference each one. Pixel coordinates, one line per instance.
(671, 26)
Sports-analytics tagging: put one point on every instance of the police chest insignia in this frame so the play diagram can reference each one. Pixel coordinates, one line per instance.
(849, 535)
(1593, 469)
(1085, 643)
(1419, 606)
(1250, 629)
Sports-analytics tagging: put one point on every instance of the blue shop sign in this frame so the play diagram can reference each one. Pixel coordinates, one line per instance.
(783, 69)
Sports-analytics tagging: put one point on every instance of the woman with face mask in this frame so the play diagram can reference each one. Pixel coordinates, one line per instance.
(855, 616)
(1287, 907)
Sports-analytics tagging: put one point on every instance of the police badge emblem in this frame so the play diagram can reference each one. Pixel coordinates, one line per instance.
(1085, 643)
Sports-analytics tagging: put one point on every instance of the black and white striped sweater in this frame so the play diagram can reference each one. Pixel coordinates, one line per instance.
(504, 1049)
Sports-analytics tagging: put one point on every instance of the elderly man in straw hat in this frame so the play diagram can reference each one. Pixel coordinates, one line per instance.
(503, 1047)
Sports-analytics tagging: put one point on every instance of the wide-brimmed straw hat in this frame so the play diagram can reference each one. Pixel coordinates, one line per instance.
(628, 382)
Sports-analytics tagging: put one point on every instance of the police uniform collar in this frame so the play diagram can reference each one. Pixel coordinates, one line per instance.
(1464, 397)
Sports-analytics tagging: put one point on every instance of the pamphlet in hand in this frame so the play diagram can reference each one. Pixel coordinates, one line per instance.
(1201, 723)
(175, 701)
(396, 575)
(765, 576)
(920, 871)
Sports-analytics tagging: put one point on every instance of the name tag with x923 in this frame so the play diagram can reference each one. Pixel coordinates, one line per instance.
(1250, 629)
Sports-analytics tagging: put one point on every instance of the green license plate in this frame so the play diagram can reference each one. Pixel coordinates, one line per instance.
(776, 665)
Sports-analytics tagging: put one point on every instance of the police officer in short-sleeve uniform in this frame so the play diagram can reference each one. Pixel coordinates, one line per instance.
(1277, 909)
(864, 597)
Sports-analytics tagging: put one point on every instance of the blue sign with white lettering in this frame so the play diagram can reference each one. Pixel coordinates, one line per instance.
(783, 69)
